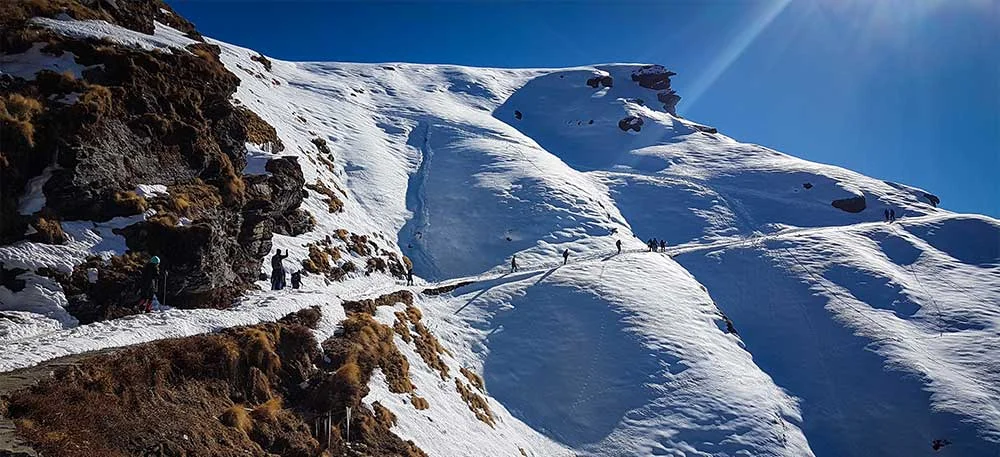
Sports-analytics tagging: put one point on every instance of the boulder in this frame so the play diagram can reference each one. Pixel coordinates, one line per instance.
(601, 80)
(517, 115)
(851, 205)
(653, 77)
(630, 123)
(807, 185)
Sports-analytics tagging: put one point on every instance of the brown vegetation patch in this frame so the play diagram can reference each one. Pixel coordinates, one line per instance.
(369, 305)
(333, 202)
(384, 416)
(427, 345)
(308, 317)
(364, 345)
(321, 145)
(477, 404)
(419, 402)
(17, 114)
(174, 397)
(473, 378)
(259, 131)
(130, 202)
(402, 326)
(48, 230)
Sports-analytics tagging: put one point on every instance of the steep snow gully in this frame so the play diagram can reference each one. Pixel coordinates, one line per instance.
(855, 337)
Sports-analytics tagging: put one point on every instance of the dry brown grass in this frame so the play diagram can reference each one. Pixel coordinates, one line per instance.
(368, 344)
(427, 345)
(194, 200)
(131, 202)
(263, 61)
(96, 101)
(17, 113)
(48, 230)
(333, 202)
(236, 416)
(473, 378)
(308, 317)
(419, 402)
(150, 395)
(358, 244)
(259, 131)
(402, 327)
(267, 411)
(384, 416)
(477, 404)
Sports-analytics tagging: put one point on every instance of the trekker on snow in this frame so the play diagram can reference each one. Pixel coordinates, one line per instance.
(296, 279)
(278, 270)
(663, 246)
(147, 284)
(513, 263)
(565, 256)
(892, 215)
(409, 277)
(618, 244)
(887, 214)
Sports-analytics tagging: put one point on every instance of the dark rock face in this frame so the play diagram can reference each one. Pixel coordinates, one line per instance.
(704, 128)
(807, 185)
(851, 205)
(630, 123)
(601, 80)
(669, 98)
(653, 77)
(518, 115)
(144, 118)
(932, 199)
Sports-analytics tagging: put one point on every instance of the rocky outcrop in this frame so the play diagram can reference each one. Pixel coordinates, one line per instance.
(601, 80)
(142, 117)
(851, 205)
(932, 199)
(653, 77)
(669, 98)
(630, 123)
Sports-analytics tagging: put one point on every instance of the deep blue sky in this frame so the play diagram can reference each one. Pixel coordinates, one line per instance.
(903, 90)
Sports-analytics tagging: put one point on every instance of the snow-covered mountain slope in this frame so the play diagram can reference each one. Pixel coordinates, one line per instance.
(856, 337)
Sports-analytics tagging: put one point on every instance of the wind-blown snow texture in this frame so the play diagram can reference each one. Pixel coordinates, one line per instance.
(857, 338)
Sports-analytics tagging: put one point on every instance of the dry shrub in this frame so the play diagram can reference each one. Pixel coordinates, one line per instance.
(259, 131)
(308, 317)
(419, 402)
(96, 101)
(368, 344)
(477, 404)
(193, 200)
(343, 234)
(268, 411)
(17, 113)
(375, 264)
(48, 230)
(237, 417)
(473, 378)
(359, 245)
(333, 202)
(131, 202)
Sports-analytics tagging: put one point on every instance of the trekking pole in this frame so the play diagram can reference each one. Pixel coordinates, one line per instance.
(163, 302)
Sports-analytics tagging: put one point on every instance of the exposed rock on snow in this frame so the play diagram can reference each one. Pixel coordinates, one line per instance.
(851, 205)
(630, 123)
(653, 77)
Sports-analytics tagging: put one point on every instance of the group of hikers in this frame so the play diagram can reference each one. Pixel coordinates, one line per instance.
(890, 215)
(655, 246)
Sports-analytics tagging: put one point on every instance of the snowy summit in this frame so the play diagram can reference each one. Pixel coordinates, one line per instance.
(676, 292)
